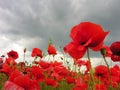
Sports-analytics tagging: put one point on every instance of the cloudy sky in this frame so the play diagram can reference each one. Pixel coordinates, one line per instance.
(31, 23)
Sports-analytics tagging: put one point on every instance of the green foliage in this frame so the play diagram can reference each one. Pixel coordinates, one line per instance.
(3, 78)
(63, 85)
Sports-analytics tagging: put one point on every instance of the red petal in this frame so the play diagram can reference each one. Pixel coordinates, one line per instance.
(51, 50)
(74, 50)
(23, 81)
(98, 47)
(12, 86)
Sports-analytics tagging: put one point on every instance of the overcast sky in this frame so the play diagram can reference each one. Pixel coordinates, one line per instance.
(30, 23)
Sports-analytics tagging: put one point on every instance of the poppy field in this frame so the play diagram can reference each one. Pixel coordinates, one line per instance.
(54, 75)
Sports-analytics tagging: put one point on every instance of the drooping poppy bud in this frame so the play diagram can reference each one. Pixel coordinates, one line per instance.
(36, 52)
(51, 50)
(13, 54)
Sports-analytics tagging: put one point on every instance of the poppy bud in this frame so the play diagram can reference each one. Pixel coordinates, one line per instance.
(25, 50)
(103, 51)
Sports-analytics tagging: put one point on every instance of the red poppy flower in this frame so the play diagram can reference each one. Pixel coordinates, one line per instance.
(12, 54)
(61, 70)
(85, 35)
(12, 86)
(51, 82)
(75, 50)
(70, 80)
(115, 70)
(80, 85)
(38, 73)
(8, 69)
(115, 58)
(101, 72)
(10, 61)
(51, 50)
(44, 64)
(56, 63)
(56, 76)
(100, 87)
(5, 69)
(22, 80)
(14, 74)
(19, 80)
(115, 48)
(115, 74)
(36, 52)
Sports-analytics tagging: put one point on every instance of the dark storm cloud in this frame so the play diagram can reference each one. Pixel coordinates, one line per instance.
(35, 19)
(105, 13)
(31, 23)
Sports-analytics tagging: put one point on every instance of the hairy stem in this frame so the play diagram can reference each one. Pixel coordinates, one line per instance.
(91, 70)
(108, 71)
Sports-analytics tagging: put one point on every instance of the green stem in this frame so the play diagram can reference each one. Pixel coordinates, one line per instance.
(75, 67)
(64, 59)
(108, 71)
(53, 58)
(24, 57)
(91, 70)
(34, 59)
(48, 58)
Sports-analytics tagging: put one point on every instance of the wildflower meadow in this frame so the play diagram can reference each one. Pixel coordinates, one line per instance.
(60, 75)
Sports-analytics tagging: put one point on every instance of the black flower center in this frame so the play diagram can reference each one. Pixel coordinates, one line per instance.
(99, 74)
(82, 43)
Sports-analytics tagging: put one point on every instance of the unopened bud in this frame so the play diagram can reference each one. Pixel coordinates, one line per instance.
(24, 50)
(103, 51)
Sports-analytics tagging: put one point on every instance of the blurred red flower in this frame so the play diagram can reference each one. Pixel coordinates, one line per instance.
(12, 86)
(115, 58)
(10, 61)
(51, 82)
(115, 48)
(70, 80)
(51, 50)
(84, 35)
(74, 50)
(36, 52)
(56, 63)
(8, 69)
(115, 74)
(100, 87)
(13, 54)
(44, 64)
(101, 72)
(80, 85)
(61, 70)
(20, 81)
(5, 69)
(37, 72)
(14, 74)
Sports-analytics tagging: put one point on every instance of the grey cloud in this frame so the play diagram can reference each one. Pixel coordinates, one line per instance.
(105, 13)
(28, 20)
(47, 22)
